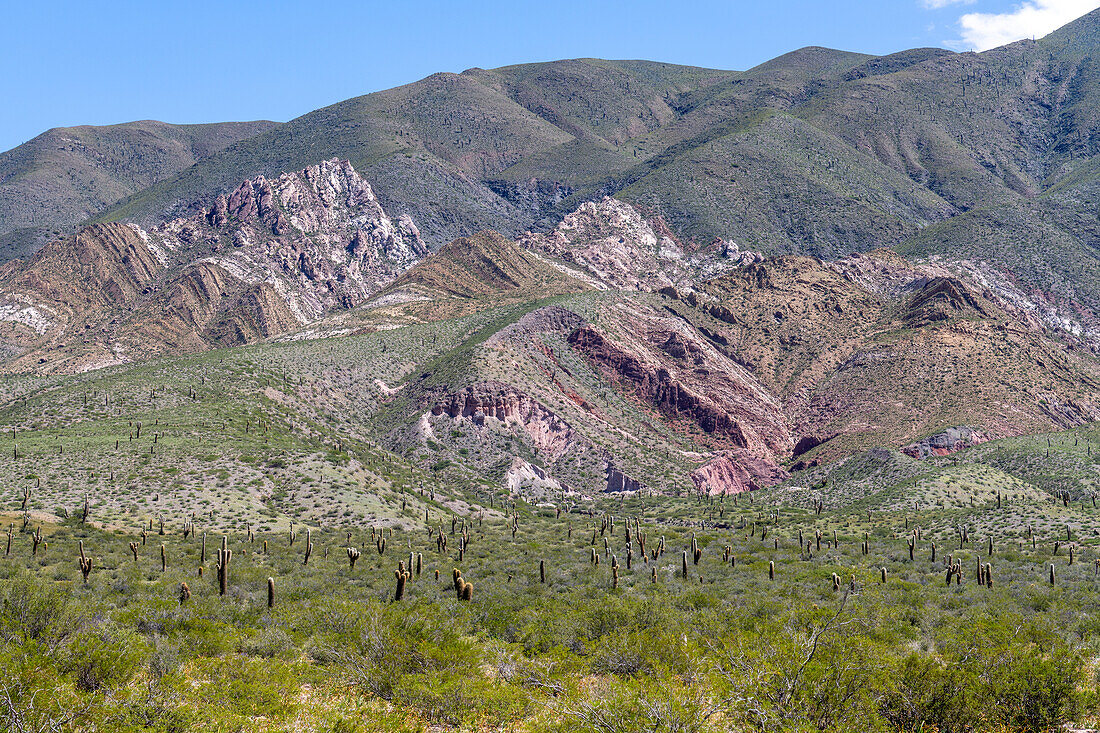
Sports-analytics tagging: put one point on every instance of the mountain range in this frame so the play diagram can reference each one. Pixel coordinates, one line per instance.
(623, 274)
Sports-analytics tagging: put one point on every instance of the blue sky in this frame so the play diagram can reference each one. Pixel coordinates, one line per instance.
(68, 63)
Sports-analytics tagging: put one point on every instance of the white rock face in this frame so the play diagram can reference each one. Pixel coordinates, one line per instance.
(613, 246)
(525, 478)
(318, 236)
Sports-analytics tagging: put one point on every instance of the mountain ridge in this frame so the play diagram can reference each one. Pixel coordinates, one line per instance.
(65, 175)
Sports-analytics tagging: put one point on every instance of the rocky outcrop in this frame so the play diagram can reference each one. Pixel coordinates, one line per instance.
(734, 472)
(657, 387)
(59, 304)
(267, 258)
(693, 384)
(530, 480)
(318, 236)
(548, 319)
(550, 435)
(619, 482)
(614, 245)
(105, 265)
(679, 372)
(945, 442)
(940, 299)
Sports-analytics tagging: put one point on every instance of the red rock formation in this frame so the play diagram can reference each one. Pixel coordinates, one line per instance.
(657, 387)
(736, 472)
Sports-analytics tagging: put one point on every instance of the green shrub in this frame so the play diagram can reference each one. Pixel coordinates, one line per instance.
(104, 657)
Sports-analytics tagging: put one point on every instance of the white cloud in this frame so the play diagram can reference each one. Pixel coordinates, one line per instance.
(937, 4)
(1031, 19)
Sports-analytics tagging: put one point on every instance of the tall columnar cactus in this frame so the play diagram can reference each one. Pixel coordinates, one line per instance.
(542, 571)
(134, 550)
(353, 555)
(309, 547)
(271, 592)
(225, 555)
(882, 574)
(684, 565)
(771, 570)
(163, 558)
(1052, 578)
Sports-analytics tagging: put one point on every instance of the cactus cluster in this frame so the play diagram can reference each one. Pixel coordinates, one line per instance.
(463, 590)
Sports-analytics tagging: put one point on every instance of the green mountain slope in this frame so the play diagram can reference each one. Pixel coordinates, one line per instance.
(63, 176)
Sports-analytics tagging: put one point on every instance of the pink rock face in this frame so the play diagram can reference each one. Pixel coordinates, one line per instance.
(734, 473)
